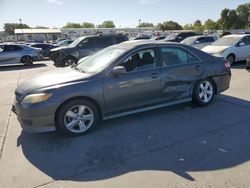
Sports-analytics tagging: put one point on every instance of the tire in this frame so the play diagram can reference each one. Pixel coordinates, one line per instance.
(27, 60)
(77, 117)
(231, 59)
(69, 61)
(203, 92)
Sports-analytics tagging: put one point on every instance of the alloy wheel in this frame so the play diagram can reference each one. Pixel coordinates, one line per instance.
(205, 91)
(79, 118)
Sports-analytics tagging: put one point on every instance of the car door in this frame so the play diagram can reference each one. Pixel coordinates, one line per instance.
(139, 87)
(10, 54)
(180, 70)
(243, 48)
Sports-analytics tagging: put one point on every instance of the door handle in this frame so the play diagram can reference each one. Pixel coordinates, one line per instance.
(155, 75)
(197, 67)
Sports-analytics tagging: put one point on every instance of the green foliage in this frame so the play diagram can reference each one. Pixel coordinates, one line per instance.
(145, 24)
(72, 25)
(88, 25)
(188, 27)
(9, 28)
(107, 24)
(169, 25)
(211, 25)
(198, 26)
(41, 27)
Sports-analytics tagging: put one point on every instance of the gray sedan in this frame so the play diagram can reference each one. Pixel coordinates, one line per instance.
(15, 54)
(122, 79)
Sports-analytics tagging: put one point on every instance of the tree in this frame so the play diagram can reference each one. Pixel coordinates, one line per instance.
(72, 25)
(188, 27)
(169, 25)
(145, 24)
(107, 24)
(9, 28)
(234, 20)
(210, 25)
(41, 27)
(243, 12)
(198, 25)
(88, 25)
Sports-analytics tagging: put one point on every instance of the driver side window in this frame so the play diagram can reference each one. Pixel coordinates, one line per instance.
(141, 60)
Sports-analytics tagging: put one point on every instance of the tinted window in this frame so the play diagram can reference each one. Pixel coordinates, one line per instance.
(10, 48)
(246, 40)
(208, 39)
(88, 43)
(141, 60)
(175, 56)
(120, 39)
(104, 42)
(1, 48)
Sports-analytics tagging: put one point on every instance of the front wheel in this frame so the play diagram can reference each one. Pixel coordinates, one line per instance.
(231, 59)
(27, 60)
(69, 61)
(203, 92)
(77, 117)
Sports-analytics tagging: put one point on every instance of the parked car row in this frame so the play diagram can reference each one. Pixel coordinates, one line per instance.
(82, 47)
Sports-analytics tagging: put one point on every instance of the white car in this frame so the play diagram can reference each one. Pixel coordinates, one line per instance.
(199, 42)
(234, 47)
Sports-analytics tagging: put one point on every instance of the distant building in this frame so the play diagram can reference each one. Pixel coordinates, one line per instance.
(6, 38)
(37, 35)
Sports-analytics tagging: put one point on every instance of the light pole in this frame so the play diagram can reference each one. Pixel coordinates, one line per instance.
(139, 26)
(20, 20)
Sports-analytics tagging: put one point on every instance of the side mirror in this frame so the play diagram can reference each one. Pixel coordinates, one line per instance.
(197, 42)
(179, 37)
(118, 70)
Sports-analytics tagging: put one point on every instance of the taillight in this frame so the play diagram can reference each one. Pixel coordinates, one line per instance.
(227, 64)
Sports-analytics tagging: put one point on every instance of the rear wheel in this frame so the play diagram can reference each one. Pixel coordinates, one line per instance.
(27, 60)
(231, 59)
(203, 92)
(77, 117)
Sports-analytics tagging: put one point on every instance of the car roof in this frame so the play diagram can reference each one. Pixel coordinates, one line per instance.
(136, 43)
(237, 35)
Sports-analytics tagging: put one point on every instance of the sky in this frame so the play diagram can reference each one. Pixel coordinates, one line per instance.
(126, 13)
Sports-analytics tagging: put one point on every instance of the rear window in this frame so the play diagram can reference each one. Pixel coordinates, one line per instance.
(104, 42)
(120, 39)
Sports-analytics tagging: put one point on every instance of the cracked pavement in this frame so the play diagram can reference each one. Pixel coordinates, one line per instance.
(178, 146)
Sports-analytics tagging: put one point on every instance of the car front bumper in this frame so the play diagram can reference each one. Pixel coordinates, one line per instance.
(35, 118)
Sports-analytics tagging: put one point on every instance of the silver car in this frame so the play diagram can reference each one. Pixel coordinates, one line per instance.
(199, 42)
(12, 53)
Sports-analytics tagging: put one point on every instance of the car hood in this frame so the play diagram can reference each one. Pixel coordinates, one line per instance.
(52, 79)
(214, 49)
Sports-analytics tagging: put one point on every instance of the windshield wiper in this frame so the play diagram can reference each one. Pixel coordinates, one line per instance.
(74, 67)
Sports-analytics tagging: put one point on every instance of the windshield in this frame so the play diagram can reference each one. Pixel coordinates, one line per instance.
(171, 36)
(100, 60)
(225, 41)
(189, 40)
(75, 43)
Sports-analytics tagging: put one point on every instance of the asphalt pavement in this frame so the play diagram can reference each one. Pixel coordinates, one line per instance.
(178, 146)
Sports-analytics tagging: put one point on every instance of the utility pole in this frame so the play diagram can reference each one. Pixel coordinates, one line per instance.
(20, 20)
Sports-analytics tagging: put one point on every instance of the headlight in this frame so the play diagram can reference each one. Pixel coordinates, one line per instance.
(36, 98)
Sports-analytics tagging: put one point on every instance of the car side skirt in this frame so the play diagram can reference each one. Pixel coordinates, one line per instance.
(146, 109)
